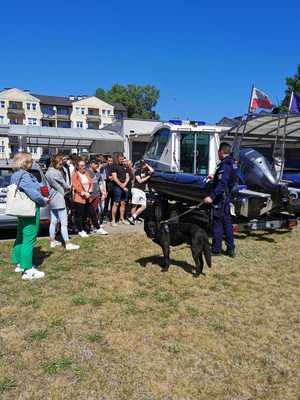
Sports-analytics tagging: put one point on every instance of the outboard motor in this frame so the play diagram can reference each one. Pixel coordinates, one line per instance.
(256, 172)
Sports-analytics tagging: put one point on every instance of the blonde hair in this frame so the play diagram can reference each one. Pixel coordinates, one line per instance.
(21, 160)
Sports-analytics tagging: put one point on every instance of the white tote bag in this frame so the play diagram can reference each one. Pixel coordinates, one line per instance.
(18, 204)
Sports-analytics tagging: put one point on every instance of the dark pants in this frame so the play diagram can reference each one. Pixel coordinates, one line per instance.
(108, 201)
(82, 212)
(222, 226)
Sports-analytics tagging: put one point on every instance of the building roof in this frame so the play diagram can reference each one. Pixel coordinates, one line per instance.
(118, 106)
(54, 100)
(63, 137)
(229, 122)
(66, 101)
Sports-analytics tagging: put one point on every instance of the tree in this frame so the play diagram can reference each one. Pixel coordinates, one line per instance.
(139, 100)
(293, 84)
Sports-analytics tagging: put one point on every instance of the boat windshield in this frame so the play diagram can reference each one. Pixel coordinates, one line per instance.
(194, 153)
(158, 144)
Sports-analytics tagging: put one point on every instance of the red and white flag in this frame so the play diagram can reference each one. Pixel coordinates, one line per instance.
(259, 99)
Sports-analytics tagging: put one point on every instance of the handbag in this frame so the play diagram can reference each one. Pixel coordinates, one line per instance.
(18, 204)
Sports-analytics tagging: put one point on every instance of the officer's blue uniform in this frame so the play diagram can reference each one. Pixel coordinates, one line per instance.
(223, 183)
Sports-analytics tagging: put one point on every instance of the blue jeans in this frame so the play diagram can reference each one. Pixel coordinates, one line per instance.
(62, 217)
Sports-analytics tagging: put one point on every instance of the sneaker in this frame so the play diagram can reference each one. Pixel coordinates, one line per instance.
(131, 220)
(101, 231)
(18, 268)
(55, 243)
(72, 246)
(83, 234)
(31, 274)
(113, 224)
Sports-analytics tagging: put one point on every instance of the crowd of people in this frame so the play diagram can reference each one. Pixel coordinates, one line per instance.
(83, 195)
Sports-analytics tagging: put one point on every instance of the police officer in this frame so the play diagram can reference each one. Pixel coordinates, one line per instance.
(220, 197)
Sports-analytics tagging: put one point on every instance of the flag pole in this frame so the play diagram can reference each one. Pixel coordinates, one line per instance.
(238, 139)
(250, 100)
(291, 99)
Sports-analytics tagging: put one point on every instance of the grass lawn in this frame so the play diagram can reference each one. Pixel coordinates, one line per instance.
(101, 326)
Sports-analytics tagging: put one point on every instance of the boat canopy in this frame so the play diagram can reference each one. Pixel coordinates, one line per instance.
(265, 128)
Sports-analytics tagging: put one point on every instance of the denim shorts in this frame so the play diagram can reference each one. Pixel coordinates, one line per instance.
(120, 195)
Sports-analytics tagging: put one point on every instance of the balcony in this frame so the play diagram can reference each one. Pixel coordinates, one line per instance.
(93, 125)
(48, 112)
(15, 119)
(93, 118)
(15, 108)
(63, 113)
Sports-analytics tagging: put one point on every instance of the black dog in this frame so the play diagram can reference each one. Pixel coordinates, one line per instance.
(174, 234)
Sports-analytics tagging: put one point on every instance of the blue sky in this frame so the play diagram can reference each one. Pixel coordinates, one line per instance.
(202, 55)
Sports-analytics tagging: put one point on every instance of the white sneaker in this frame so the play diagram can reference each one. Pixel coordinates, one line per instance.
(101, 231)
(72, 246)
(31, 274)
(83, 234)
(132, 220)
(18, 268)
(55, 243)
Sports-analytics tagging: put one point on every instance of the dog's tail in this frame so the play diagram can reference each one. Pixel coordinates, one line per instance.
(207, 252)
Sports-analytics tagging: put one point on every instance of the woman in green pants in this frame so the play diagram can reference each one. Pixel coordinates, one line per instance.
(28, 227)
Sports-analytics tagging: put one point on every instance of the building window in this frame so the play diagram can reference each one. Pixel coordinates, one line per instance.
(79, 124)
(32, 121)
(108, 112)
(2, 104)
(103, 112)
(34, 106)
(82, 111)
(48, 110)
(64, 124)
(28, 106)
(32, 150)
(1, 119)
(77, 110)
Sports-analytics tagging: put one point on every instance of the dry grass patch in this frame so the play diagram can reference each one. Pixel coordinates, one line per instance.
(105, 323)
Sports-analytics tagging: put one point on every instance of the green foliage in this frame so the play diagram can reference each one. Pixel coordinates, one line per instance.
(7, 384)
(97, 337)
(54, 367)
(139, 100)
(293, 84)
(38, 335)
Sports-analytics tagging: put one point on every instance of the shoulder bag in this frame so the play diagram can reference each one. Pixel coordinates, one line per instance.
(18, 204)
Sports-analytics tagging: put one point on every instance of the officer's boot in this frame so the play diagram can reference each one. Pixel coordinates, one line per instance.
(230, 253)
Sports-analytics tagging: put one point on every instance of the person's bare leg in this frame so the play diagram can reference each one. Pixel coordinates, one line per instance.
(140, 210)
(133, 210)
(114, 212)
(122, 210)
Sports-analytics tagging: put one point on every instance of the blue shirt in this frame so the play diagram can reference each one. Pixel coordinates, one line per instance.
(29, 185)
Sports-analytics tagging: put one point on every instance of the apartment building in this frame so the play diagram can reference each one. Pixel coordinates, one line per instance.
(76, 112)
(20, 107)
